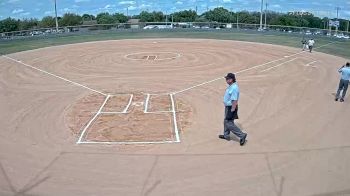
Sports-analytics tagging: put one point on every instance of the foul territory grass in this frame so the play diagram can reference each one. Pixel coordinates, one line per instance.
(339, 48)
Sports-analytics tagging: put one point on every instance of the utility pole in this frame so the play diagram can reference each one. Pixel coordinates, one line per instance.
(56, 17)
(261, 14)
(347, 28)
(237, 20)
(337, 26)
(127, 12)
(172, 20)
(265, 15)
(166, 19)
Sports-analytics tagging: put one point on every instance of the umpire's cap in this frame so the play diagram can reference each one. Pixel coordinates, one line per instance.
(231, 76)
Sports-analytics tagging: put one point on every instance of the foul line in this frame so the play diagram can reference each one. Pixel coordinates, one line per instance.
(244, 70)
(177, 135)
(51, 74)
(278, 65)
(92, 120)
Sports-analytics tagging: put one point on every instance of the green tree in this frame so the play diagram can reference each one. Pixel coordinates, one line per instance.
(47, 22)
(27, 24)
(146, 17)
(158, 16)
(120, 18)
(9, 24)
(70, 19)
(88, 17)
(249, 18)
(185, 16)
(152, 17)
(219, 15)
(105, 18)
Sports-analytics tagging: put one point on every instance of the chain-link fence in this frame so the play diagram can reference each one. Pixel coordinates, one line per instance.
(169, 26)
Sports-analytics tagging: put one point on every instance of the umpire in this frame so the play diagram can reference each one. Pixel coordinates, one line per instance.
(344, 82)
(231, 110)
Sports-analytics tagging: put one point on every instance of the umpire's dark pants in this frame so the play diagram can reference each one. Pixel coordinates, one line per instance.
(229, 125)
(343, 86)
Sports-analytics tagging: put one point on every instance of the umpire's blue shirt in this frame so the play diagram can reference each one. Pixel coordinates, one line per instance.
(231, 94)
(345, 73)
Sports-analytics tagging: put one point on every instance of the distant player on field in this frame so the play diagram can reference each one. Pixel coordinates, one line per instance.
(304, 43)
(311, 44)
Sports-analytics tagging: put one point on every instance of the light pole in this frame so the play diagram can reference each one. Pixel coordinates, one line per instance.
(261, 14)
(56, 17)
(237, 20)
(337, 26)
(265, 15)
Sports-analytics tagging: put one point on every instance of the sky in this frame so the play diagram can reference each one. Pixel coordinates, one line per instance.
(40, 8)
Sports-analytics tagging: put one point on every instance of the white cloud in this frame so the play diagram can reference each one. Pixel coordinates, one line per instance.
(48, 12)
(179, 3)
(79, 1)
(276, 6)
(108, 6)
(16, 11)
(132, 8)
(12, 1)
(227, 1)
(25, 14)
(126, 3)
(144, 6)
(68, 10)
(75, 6)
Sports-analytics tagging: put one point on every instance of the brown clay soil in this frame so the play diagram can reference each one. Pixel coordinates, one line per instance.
(298, 136)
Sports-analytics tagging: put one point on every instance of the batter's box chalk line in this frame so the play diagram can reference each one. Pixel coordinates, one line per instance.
(175, 130)
(151, 56)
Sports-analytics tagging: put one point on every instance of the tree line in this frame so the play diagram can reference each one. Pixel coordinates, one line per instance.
(220, 14)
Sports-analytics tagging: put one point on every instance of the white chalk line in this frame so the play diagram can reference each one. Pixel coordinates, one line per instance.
(131, 142)
(54, 75)
(309, 64)
(158, 112)
(146, 105)
(279, 65)
(173, 111)
(114, 112)
(177, 55)
(130, 101)
(244, 70)
(177, 135)
(92, 120)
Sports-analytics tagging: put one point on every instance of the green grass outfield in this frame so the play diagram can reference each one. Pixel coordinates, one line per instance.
(339, 47)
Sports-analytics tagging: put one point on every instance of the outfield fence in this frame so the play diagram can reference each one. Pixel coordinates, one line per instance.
(168, 26)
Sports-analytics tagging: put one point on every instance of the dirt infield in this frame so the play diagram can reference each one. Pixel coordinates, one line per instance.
(298, 137)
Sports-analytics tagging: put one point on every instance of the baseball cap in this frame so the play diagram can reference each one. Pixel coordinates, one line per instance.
(230, 76)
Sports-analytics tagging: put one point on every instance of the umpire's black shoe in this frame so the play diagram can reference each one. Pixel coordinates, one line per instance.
(223, 137)
(341, 100)
(336, 99)
(243, 140)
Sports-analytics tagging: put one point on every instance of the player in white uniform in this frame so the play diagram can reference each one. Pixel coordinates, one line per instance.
(311, 44)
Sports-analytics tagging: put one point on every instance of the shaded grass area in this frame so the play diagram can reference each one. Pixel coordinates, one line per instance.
(339, 48)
